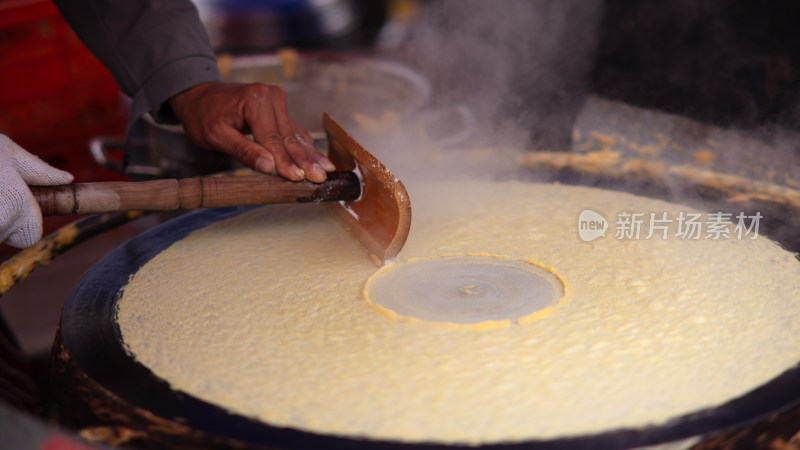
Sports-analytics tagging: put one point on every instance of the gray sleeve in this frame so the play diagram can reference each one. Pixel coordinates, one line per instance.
(154, 48)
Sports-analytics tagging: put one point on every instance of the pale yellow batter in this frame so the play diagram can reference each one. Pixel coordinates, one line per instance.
(263, 314)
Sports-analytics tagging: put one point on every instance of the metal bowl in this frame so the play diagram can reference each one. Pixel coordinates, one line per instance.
(343, 85)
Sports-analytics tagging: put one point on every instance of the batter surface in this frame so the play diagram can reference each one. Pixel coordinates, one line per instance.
(264, 314)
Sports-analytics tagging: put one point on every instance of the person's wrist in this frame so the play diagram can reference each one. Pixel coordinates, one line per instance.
(178, 101)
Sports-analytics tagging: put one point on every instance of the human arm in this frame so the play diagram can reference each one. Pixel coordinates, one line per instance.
(160, 56)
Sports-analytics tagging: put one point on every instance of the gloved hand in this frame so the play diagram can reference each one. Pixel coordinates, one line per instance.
(20, 217)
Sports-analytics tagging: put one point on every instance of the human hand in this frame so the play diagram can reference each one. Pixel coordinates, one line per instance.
(215, 115)
(20, 217)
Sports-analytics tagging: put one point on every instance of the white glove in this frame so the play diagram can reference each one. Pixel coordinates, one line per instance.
(20, 217)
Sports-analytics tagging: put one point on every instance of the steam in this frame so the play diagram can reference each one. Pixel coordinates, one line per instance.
(520, 67)
(701, 90)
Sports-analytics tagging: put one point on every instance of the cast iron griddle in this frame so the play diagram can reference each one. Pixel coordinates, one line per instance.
(90, 334)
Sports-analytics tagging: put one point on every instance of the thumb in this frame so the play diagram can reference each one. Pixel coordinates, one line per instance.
(33, 170)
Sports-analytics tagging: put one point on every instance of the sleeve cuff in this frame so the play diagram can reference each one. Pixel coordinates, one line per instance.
(169, 80)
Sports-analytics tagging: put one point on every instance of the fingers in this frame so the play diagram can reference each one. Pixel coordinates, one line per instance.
(300, 147)
(294, 153)
(248, 152)
(26, 233)
(216, 114)
(20, 217)
(317, 156)
(30, 168)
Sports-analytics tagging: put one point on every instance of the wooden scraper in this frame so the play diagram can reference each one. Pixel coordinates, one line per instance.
(365, 196)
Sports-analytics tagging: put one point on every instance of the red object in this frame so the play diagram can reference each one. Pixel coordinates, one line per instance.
(54, 94)
(59, 442)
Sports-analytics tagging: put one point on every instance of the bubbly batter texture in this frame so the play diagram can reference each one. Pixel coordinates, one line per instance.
(263, 314)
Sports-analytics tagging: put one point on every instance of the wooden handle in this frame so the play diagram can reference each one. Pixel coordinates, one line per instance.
(191, 193)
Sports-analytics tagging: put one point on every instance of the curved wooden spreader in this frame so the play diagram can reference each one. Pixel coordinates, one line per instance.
(380, 218)
(366, 197)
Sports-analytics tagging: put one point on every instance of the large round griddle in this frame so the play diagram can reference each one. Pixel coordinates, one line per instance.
(91, 339)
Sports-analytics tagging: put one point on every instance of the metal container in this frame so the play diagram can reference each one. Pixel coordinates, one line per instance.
(341, 84)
